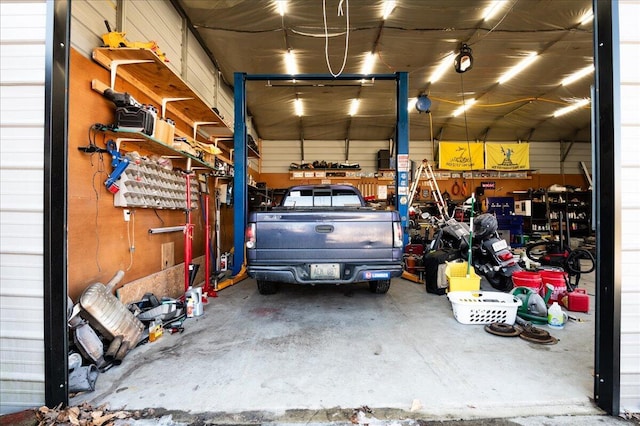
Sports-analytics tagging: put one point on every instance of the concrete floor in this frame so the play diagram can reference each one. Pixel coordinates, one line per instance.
(317, 353)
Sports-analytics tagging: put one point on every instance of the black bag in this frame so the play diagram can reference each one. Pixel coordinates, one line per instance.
(434, 265)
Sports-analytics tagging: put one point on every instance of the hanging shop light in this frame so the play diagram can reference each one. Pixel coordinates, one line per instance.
(290, 62)
(355, 104)
(464, 60)
(299, 109)
(518, 68)
(388, 7)
(442, 68)
(571, 108)
(577, 75)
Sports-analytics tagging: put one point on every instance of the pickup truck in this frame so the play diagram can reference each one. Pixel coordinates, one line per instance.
(324, 234)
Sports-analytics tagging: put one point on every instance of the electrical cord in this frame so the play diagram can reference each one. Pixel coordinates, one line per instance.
(98, 172)
(131, 237)
(326, 36)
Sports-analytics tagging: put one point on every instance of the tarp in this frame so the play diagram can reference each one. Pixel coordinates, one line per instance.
(461, 156)
(507, 156)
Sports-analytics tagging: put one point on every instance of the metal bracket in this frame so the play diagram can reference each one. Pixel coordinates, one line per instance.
(167, 100)
(114, 67)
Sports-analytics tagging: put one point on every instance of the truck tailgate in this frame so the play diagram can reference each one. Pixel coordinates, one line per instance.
(353, 235)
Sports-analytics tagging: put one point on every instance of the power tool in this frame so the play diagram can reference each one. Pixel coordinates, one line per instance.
(119, 164)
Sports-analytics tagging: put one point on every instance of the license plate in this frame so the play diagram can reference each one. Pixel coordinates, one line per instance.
(325, 271)
(499, 245)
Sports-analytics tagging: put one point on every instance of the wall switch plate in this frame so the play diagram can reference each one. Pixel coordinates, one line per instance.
(127, 215)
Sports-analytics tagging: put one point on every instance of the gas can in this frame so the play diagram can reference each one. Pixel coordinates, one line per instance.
(576, 301)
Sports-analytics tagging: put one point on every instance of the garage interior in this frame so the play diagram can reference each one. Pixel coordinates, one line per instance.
(318, 349)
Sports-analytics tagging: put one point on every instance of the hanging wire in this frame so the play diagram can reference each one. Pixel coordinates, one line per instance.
(326, 36)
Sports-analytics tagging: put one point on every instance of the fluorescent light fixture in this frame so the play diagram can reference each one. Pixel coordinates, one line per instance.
(492, 9)
(355, 104)
(412, 104)
(570, 108)
(298, 107)
(389, 5)
(282, 6)
(369, 62)
(586, 18)
(462, 108)
(578, 75)
(442, 67)
(290, 61)
(518, 68)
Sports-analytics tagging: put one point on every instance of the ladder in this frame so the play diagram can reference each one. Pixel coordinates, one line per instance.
(426, 170)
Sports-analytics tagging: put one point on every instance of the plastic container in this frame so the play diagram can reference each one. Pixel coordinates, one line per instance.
(488, 307)
(556, 317)
(532, 280)
(558, 279)
(576, 301)
(456, 273)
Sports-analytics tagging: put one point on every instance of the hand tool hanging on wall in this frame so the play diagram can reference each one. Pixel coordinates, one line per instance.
(119, 164)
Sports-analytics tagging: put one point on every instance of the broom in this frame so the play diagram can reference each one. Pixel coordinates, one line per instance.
(473, 199)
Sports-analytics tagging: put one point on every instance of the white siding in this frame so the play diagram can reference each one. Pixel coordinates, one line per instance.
(87, 23)
(22, 53)
(200, 74)
(277, 155)
(630, 199)
(152, 20)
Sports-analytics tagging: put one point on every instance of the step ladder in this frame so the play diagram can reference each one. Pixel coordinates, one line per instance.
(426, 170)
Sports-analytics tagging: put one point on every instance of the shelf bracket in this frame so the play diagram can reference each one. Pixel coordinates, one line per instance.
(165, 101)
(201, 123)
(116, 62)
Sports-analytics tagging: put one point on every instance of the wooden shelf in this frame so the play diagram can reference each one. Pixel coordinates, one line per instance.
(142, 68)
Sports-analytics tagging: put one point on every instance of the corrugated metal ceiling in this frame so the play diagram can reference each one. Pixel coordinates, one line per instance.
(250, 36)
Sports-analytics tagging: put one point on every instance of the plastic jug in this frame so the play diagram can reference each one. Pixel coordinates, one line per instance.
(556, 317)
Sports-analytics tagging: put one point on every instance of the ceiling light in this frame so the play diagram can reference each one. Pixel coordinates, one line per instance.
(442, 67)
(570, 108)
(369, 62)
(492, 9)
(355, 104)
(464, 60)
(389, 5)
(519, 67)
(462, 108)
(411, 104)
(282, 6)
(298, 107)
(586, 18)
(577, 75)
(290, 61)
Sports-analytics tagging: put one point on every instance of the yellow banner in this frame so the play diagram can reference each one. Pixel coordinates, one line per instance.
(461, 156)
(507, 156)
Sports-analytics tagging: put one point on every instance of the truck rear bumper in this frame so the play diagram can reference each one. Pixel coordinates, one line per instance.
(300, 274)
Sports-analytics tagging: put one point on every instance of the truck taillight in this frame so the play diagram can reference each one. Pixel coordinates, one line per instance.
(398, 241)
(251, 236)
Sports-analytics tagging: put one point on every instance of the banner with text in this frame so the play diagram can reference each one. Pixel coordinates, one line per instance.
(507, 156)
(461, 156)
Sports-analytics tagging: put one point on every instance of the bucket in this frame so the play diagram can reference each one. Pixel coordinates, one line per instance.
(558, 280)
(533, 280)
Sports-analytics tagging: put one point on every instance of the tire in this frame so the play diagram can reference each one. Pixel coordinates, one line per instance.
(267, 287)
(379, 287)
(501, 282)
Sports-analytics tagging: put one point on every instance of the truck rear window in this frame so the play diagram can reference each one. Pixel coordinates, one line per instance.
(322, 198)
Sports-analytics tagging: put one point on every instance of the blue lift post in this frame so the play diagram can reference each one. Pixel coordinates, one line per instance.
(240, 209)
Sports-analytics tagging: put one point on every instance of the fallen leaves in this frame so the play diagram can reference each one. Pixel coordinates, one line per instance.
(83, 415)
